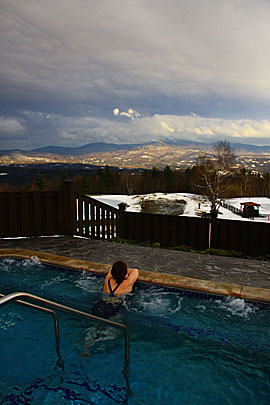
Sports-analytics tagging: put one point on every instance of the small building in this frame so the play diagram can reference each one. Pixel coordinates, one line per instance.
(250, 209)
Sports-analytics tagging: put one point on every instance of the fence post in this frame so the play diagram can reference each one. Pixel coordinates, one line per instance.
(69, 208)
(122, 208)
(213, 230)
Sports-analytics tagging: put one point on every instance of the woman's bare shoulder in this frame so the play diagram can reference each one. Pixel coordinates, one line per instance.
(133, 275)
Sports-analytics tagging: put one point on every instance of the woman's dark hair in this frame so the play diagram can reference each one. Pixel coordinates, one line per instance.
(119, 271)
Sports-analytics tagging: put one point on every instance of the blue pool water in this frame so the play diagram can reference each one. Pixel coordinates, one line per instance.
(184, 348)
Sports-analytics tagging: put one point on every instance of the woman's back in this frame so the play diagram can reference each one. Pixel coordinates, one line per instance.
(111, 286)
(120, 282)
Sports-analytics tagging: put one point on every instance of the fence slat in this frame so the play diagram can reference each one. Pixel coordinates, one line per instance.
(87, 222)
(37, 208)
(108, 223)
(48, 213)
(12, 220)
(61, 218)
(79, 228)
(25, 214)
(103, 222)
(98, 220)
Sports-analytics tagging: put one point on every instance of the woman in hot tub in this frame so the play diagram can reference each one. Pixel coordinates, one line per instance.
(118, 282)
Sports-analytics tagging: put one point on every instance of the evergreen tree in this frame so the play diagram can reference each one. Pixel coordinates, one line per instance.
(169, 177)
(39, 181)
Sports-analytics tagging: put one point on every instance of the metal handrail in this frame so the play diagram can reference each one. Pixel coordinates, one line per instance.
(49, 311)
(14, 297)
(56, 325)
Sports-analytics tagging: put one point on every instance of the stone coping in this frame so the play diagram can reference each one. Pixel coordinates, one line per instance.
(186, 283)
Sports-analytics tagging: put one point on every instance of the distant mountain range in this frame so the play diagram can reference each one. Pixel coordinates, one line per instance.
(178, 154)
(85, 149)
(102, 147)
(76, 151)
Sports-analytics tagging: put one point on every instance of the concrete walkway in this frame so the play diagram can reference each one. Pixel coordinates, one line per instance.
(204, 267)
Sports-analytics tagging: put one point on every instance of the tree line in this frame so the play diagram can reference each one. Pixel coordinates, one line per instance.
(107, 181)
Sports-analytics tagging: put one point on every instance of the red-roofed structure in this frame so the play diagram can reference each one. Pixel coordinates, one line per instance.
(250, 209)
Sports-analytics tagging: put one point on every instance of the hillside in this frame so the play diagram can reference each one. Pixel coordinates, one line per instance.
(178, 154)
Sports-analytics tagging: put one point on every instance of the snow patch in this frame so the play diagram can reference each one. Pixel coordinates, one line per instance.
(196, 205)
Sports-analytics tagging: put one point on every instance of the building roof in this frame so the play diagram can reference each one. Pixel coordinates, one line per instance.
(250, 204)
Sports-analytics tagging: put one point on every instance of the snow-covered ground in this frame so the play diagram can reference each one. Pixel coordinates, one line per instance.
(195, 205)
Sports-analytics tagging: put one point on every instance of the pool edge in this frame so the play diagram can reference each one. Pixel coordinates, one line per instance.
(187, 283)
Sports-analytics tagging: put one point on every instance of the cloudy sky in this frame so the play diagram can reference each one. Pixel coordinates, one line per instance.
(131, 71)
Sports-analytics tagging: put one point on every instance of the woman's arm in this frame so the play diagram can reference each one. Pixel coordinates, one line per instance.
(105, 285)
(133, 275)
(109, 274)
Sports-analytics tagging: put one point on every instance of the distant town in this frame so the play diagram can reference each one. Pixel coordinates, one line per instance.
(156, 154)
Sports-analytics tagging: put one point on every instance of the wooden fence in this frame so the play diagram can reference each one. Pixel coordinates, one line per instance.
(45, 213)
(167, 230)
(251, 238)
(34, 214)
(231, 208)
(95, 219)
(67, 213)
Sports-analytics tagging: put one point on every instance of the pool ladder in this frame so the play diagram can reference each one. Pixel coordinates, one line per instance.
(4, 299)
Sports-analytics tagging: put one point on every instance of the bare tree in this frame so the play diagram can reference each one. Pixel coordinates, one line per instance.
(214, 170)
(130, 187)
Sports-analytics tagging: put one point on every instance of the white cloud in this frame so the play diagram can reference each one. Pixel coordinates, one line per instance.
(166, 126)
(201, 129)
(131, 113)
(176, 127)
(10, 125)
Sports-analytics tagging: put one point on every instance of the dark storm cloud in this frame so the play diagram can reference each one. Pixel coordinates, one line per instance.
(66, 65)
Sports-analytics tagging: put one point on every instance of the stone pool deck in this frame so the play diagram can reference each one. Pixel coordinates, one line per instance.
(213, 274)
